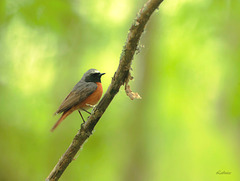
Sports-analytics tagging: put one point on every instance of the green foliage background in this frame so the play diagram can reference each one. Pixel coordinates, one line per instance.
(186, 127)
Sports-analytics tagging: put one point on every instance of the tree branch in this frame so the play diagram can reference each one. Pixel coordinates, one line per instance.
(121, 77)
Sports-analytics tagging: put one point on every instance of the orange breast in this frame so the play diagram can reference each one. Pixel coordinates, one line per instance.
(93, 98)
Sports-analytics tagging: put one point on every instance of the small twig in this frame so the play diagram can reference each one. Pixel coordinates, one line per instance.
(132, 95)
(120, 78)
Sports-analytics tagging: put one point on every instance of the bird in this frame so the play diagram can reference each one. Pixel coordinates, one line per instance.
(84, 95)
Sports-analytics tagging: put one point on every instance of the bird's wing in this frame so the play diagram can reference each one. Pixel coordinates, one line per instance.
(79, 93)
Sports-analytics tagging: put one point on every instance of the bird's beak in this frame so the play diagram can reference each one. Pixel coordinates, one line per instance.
(102, 74)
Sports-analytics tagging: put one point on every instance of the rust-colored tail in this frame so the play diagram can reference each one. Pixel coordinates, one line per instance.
(64, 115)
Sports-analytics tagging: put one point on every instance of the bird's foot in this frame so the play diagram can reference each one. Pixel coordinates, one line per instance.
(82, 124)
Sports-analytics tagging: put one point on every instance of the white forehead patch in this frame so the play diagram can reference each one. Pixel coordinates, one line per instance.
(95, 71)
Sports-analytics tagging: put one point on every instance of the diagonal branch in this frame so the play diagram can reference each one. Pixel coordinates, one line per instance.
(121, 77)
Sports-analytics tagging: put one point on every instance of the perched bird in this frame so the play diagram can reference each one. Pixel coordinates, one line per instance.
(86, 93)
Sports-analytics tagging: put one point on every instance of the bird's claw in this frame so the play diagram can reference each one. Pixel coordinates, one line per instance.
(82, 125)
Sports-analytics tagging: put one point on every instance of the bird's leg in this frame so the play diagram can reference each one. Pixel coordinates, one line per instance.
(92, 106)
(86, 111)
(81, 116)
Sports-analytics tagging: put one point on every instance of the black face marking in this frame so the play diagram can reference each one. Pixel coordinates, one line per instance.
(94, 77)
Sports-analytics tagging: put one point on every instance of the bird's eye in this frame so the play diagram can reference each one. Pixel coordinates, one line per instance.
(95, 74)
